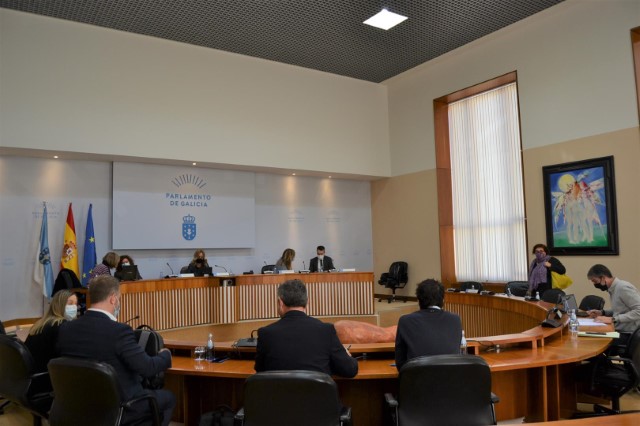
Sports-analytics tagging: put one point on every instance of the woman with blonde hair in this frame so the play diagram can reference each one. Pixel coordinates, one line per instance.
(43, 335)
(284, 263)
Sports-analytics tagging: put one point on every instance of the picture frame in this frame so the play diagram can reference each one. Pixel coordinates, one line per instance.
(580, 207)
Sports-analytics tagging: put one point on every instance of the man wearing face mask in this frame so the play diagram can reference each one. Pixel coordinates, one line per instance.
(321, 263)
(99, 336)
(625, 301)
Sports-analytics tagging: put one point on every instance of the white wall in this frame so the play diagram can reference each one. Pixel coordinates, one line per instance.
(575, 79)
(296, 212)
(74, 87)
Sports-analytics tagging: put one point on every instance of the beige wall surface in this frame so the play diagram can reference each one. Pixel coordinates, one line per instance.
(404, 234)
(73, 87)
(575, 79)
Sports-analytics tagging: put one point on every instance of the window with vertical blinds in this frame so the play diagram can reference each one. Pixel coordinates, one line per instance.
(487, 187)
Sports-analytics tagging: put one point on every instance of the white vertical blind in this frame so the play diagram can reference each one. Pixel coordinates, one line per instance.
(487, 188)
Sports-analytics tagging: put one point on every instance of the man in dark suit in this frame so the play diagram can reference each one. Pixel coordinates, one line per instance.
(321, 263)
(429, 331)
(98, 335)
(300, 342)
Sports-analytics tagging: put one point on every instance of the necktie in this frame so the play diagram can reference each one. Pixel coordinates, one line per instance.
(321, 268)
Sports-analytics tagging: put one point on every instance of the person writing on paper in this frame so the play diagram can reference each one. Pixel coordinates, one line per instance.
(625, 302)
(199, 265)
(320, 263)
(125, 260)
(286, 260)
(300, 342)
(540, 270)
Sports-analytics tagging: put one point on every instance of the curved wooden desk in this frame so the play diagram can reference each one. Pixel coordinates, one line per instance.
(532, 374)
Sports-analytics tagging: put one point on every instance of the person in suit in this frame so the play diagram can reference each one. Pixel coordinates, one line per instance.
(320, 263)
(429, 331)
(43, 335)
(300, 342)
(99, 336)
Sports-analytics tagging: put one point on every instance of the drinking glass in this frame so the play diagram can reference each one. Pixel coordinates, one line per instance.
(198, 353)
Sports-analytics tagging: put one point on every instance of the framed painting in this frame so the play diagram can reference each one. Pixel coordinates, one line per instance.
(580, 207)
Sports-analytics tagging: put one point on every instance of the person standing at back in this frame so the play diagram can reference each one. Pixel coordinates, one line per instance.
(300, 342)
(321, 263)
(429, 331)
(99, 336)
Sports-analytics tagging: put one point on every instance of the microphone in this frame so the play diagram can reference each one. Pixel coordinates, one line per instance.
(173, 275)
(219, 266)
(304, 265)
(170, 268)
(251, 339)
(265, 263)
(131, 319)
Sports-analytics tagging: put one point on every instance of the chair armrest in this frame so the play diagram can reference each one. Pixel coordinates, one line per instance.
(345, 416)
(152, 402)
(494, 398)
(391, 400)
(238, 419)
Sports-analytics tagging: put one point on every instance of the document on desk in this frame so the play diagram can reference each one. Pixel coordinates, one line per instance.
(591, 322)
(610, 334)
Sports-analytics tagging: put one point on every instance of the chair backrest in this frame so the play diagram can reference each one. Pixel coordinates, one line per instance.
(66, 280)
(184, 269)
(468, 285)
(84, 389)
(553, 295)
(291, 397)
(399, 272)
(591, 302)
(445, 390)
(633, 349)
(268, 268)
(517, 288)
(16, 370)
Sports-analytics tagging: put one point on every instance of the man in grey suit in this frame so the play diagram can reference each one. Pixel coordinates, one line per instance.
(300, 342)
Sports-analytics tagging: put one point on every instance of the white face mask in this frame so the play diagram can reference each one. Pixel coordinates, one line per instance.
(125, 264)
(70, 312)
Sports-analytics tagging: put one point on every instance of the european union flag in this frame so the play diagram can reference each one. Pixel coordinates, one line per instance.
(89, 260)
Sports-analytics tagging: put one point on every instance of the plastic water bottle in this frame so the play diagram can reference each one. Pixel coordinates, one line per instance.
(463, 344)
(537, 295)
(509, 292)
(210, 349)
(573, 324)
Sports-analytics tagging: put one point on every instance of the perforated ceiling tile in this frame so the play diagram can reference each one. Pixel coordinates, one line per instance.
(326, 35)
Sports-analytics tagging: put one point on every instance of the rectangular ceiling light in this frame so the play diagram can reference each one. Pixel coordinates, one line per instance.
(385, 19)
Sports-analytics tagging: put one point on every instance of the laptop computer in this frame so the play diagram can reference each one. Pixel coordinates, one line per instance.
(570, 303)
(129, 273)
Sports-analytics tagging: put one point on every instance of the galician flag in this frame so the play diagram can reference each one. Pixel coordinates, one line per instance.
(43, 272)
(89, 260)
(69, 257)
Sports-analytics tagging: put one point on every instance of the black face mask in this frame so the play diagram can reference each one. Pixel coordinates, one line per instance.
(601, 286)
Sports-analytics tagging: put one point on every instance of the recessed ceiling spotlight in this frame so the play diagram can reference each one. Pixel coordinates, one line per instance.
(55, 156)
(385, 19)
(329, 176)
(194, 163)
(293, 174)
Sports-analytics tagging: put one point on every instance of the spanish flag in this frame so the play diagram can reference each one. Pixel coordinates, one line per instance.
(69, 258)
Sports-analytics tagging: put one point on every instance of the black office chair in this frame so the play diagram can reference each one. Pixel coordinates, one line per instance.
(184, 270)
(305, 398)
(397, 277)
(553, 295)
(614, 376)
(443, 390)
(517, 288)
(86, 389)
(266, 268)
(18, 379)
(591, 302)
(469, 285)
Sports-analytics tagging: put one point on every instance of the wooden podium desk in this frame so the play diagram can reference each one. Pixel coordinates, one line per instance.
(532, 374)
(185, 302)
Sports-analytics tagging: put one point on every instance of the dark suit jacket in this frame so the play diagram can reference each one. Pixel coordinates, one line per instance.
(300, 342)
(327, 264)
(95, 336)
(427, 332)
(43, 345)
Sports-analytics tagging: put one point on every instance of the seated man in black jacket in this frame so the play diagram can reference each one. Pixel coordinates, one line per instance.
(99, 336)
(300, 342)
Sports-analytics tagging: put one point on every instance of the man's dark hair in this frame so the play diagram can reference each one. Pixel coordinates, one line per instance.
(293, 294)
(103, 286)
(599, 270)
(321, 248)
(430, 293)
